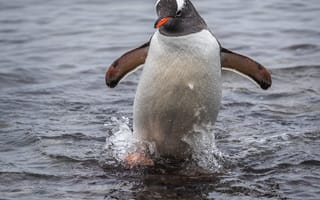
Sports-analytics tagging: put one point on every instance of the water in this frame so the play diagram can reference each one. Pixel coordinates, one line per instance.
(56, 112)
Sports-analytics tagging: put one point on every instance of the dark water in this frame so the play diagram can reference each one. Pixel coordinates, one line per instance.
(56, 113)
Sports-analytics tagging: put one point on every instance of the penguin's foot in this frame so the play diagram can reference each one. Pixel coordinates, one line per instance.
(137, 159)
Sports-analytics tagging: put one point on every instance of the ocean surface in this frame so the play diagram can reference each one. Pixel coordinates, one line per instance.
(63, 132)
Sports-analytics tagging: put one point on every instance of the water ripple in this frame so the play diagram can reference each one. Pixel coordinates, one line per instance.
(56, 113)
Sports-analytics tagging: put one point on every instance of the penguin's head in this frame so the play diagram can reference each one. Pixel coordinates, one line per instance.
(177, 18)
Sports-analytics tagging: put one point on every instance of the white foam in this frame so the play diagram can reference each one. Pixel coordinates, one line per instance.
(123, 141)
(204, 150)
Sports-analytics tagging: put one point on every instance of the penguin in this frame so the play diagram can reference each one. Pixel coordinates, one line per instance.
(180, 84)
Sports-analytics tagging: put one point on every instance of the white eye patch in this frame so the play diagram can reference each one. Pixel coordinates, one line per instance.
(180, 4)
(156, 3)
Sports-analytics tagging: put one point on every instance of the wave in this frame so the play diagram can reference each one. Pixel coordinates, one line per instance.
(23, 175)
(298, 68)
(73, 136)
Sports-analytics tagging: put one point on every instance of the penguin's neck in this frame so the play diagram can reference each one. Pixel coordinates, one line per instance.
(195, 43)
(184, 54)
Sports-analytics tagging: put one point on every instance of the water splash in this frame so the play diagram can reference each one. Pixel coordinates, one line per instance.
(123, 141)
(204, 150)
(120, 141)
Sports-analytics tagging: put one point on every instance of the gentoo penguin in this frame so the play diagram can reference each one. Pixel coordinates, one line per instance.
(180, 85)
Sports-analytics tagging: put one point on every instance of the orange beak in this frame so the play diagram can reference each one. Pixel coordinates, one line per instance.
(161, 21)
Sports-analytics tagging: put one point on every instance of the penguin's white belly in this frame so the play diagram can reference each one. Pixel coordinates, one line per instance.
(180, 87)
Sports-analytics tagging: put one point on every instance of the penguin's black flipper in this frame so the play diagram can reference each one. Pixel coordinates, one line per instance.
(246, 67)
(128, 62)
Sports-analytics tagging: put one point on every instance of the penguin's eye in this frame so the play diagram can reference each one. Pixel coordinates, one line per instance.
(179, 13)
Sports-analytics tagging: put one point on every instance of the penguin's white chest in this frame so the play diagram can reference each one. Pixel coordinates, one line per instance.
(179, 87)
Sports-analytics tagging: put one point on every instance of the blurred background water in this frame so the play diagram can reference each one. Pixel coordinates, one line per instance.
(56, 112)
